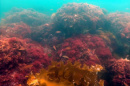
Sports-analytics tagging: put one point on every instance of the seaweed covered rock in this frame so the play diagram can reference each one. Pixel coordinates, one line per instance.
(86, 48)
(77, 18)
(28, 16)
(41, 33)
(20, 57)
(60, 74)
(119, 70)
(20, 30)
(120, 26)
(46, 34)
(109, 38)
(13, 79)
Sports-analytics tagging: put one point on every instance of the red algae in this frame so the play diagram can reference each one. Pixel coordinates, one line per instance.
(119, 69)
(18, 57)
(85, 48)
(20, 30)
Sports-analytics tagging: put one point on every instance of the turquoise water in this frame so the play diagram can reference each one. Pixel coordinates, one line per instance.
(51, 6)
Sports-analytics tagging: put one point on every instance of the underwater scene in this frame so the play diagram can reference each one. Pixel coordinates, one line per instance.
(64, 42)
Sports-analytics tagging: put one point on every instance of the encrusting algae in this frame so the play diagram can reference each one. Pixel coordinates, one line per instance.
(60, 74)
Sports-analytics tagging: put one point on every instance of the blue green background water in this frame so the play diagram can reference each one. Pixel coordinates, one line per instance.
(51, 6)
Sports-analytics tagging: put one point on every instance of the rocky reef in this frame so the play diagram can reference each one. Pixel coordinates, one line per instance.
(120, 26)
(28, 16)
(77, 18)
(87, 47)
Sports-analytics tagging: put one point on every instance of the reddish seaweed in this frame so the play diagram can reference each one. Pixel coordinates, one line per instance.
(18, 57)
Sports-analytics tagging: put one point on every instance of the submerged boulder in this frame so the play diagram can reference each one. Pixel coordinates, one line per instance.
(28, 16)
(120, 27)
(77, 18)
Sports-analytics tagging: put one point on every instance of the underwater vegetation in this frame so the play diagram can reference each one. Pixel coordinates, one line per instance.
(121, 24)
(20, 30)
(28, 16)
(119, 69)
(77, 18)
(45, 34)
(60, 74)
(87, 47)
(18, 57)
(121, 28)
